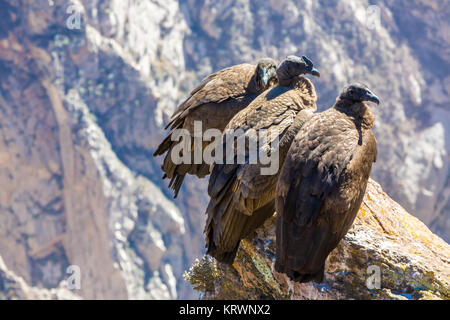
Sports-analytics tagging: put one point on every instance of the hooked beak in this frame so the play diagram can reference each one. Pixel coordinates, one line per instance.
(311, 70)
(369, 96)
(266, 75)
(264, 78)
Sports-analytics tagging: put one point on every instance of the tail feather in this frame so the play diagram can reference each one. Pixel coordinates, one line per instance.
(163, 147)
(302, 251)
(258, 218)
(223, 257)
(175, 183)
(177, 172)
(225, 231)
(307, 277)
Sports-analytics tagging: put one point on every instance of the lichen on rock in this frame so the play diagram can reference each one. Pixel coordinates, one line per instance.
(385, 241)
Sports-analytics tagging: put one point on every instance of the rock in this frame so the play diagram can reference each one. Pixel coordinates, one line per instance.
(385, 240)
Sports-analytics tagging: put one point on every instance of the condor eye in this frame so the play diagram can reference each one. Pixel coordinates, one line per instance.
(352, 92)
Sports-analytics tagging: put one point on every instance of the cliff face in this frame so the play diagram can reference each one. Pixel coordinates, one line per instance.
(387, 254)
(13, 287)
(86, 87)
(399, 48)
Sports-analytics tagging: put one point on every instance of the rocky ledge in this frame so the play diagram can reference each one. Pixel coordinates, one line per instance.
(387, 254)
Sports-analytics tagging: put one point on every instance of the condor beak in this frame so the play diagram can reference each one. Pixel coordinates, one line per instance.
(311, 70)
(266, 75)
(315, 72)
(265, 78)
(369, 96)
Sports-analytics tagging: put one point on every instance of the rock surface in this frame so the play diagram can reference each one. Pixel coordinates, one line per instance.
(412, 263)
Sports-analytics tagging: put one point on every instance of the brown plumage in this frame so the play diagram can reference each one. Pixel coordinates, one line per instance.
(214, 102)
(322, 183)
(241, 198)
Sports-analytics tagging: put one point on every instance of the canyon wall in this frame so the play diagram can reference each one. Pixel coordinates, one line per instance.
(87, 86)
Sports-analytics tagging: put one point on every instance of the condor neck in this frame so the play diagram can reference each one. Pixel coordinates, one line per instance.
(306, 92)
(360, 111)
(291, 82)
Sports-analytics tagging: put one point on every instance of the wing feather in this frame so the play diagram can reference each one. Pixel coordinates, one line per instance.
(228, 83)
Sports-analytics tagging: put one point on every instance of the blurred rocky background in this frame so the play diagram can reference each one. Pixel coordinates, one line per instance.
(87, 86)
